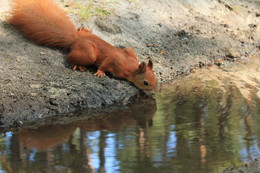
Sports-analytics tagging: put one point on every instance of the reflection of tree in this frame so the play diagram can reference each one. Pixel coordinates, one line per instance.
(223, 114)
(202, 138)
(205, 132)
(15, 154)
(84, 153)
(249, 136)
(255, 123)
(143, 151)
(190, 112)
(5, 164)
(102, 146)
(50, 161)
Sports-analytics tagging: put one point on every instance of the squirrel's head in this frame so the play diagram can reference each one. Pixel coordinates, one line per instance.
(144, 77)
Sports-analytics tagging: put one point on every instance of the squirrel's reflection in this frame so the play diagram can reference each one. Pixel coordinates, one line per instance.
(47, 137)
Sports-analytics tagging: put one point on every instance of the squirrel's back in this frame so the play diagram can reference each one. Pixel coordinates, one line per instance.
(43, 22)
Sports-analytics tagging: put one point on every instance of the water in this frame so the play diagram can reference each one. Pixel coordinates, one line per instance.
(201, 124)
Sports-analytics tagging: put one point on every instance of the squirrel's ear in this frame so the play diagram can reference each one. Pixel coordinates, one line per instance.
(130, 51)
(141, 68)
(150, 64)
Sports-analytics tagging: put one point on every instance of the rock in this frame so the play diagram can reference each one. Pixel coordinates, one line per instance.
(108, 26)
(218, 62)
(36, 86)
(232, 53)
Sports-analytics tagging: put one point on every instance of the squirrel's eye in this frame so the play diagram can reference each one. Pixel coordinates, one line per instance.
(146, 83)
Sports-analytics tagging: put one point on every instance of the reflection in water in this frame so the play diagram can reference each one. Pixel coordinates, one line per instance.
(89, 145)
(196, 126)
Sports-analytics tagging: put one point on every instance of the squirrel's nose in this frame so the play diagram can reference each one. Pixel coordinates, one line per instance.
(150, 93)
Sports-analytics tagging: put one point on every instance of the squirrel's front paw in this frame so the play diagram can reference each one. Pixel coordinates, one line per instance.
(100, 73)
(81, 68)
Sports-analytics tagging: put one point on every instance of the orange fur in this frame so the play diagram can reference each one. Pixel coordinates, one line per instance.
(43, 22)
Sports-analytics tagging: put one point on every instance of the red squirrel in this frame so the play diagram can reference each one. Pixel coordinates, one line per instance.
(44, 23)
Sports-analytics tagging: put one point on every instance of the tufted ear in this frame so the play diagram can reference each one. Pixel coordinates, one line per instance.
(150, 64)
(129, 51)
(141, 68)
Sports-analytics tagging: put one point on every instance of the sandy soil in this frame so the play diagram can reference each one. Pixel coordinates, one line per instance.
(179, 36)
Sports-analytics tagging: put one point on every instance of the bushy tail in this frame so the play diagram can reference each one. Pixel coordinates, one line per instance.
(43, 22)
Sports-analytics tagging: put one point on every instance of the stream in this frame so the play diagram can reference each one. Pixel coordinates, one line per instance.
(202, 123)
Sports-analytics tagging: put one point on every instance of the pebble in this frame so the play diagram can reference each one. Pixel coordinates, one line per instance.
(232, 53)
(218, 61)
(36, 86)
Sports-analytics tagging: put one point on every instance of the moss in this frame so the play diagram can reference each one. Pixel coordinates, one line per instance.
(91, 9)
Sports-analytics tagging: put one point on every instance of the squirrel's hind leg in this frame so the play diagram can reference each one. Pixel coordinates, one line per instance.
(82, 55)
(83, 29)
(81, 32)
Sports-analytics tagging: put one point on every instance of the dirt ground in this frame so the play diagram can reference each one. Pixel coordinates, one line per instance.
(179, 36)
